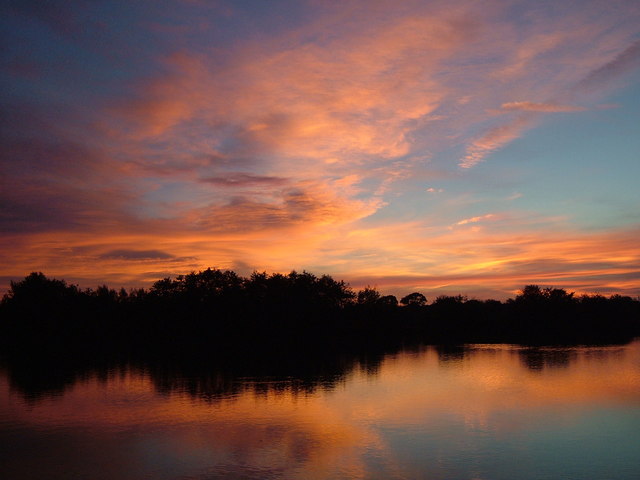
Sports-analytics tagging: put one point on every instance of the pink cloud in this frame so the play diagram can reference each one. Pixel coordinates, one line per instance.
(493, 140)
(281, 148)
(473, 260)
(540, 107)
(465, 221)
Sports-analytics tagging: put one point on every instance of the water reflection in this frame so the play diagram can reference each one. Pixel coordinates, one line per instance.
(451, 355)
(539, 359)
(210, 377)
(482, 411)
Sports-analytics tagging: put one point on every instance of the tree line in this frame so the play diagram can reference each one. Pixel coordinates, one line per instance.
(219, 312)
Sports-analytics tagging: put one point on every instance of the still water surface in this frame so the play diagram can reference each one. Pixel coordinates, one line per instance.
(482, 412)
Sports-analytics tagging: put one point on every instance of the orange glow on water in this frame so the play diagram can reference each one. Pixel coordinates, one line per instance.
(406, 385)
(503, 391)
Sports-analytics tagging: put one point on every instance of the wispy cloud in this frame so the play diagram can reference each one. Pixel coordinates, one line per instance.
(624, 62)
(477, 219)
(493, 140)
(238, 179)
(134, 255)
(327, 141)
(540, 107)
(305, 205)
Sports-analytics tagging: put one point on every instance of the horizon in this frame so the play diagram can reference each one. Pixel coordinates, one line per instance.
(443, 147)
(431, 297)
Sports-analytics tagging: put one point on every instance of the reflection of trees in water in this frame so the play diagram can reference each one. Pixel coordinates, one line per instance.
(218, 381)
(534, 358)
(217, 378)
(210, 378)
(451, 355)
(37, 378)
(541, 358)
(202, 332)
(610, 353)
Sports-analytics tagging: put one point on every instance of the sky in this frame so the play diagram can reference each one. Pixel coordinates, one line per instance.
(447, 147)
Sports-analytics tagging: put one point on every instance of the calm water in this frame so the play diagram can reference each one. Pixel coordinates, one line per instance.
(483, 412)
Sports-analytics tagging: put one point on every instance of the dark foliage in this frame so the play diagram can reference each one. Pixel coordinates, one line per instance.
(220, 311)
(198, 332)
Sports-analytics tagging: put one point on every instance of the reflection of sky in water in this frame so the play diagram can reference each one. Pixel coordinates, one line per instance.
(489, 412)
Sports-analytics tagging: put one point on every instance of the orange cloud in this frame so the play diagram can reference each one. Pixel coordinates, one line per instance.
(493, 140)
(309, 146)
(475, 219)
(540, 107)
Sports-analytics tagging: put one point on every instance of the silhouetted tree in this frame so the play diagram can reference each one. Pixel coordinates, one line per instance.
(388, 300)
(37, 288)
(450, 300)
(415, 299)
(533, 294)
(368, 296)
(219, 310)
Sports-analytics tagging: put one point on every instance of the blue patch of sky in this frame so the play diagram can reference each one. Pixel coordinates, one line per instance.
(581, 165)
(89, 56)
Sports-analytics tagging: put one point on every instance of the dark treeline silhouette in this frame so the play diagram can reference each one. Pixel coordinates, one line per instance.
(202, 331)
(219, 312)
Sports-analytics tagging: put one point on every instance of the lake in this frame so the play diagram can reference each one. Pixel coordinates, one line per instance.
(473, 412)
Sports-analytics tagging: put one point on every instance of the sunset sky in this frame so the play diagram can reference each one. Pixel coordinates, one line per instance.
(440, 146)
